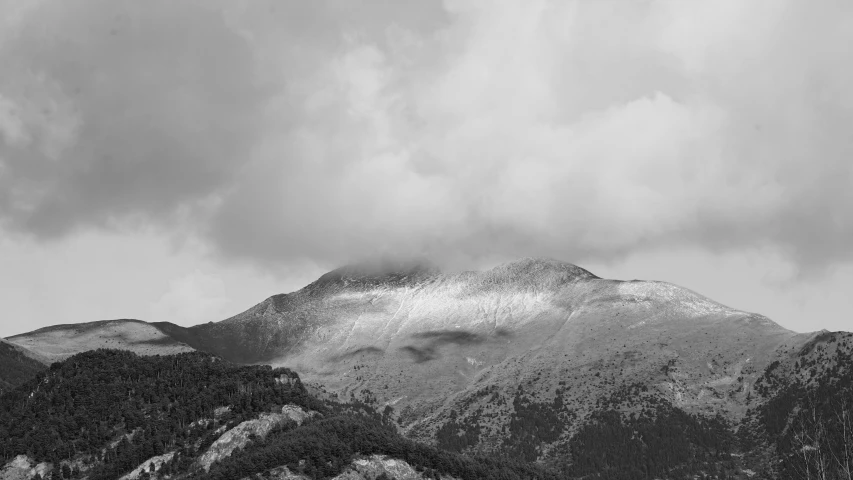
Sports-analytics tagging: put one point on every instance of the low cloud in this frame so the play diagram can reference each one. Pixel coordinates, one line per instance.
(332, 130)
(192, 299)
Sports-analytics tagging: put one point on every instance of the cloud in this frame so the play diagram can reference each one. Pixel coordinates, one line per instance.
(333, 130)
(192, 299)
(118, 110)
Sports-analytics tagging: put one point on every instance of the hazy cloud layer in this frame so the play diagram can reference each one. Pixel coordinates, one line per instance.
(337, 129)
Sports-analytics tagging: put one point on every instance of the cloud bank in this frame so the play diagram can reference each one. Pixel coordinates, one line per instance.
(332, 130)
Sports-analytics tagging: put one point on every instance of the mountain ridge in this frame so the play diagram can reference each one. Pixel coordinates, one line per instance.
(57, 342)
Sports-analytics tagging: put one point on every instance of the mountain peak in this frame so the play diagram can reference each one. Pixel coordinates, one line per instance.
(378, 272)
(536, 264)
(543, 271)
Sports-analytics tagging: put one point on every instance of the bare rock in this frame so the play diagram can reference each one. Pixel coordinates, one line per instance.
(242, 434)
(22, 468)
(145, 466)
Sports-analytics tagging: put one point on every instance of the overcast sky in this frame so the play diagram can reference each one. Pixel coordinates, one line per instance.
(181, 161)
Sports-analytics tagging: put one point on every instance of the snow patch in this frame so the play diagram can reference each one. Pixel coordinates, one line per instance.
(638, 324)
(686, 300)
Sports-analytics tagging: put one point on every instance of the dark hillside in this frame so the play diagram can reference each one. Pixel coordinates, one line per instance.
(17, 366)
(78, 406)
(809, 413)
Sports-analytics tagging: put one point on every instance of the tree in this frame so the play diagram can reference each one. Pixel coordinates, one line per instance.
(823, 440)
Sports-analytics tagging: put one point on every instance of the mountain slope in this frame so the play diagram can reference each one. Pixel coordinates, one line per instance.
(59, 342)
(17, 365)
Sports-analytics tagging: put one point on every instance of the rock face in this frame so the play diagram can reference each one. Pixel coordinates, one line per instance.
(242, 434)
(369, 468)
(22, 468)
(376, 465)
(146, 466)
(280, 473)
(296, 414)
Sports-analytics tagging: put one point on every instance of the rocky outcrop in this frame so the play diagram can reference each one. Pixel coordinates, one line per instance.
(145, 466)
(280, 473)
(296, 414)
(240, 436)
(373, 467)
(23, 468)
(369, 468)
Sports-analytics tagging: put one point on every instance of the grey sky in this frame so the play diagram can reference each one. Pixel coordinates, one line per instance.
(243, 147)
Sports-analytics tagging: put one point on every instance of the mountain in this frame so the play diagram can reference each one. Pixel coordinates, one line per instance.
(17, 365)
(538, 360)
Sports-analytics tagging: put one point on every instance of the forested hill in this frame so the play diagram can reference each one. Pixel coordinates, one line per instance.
(105, 414)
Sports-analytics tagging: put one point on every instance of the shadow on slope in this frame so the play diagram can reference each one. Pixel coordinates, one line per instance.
(17, 365)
